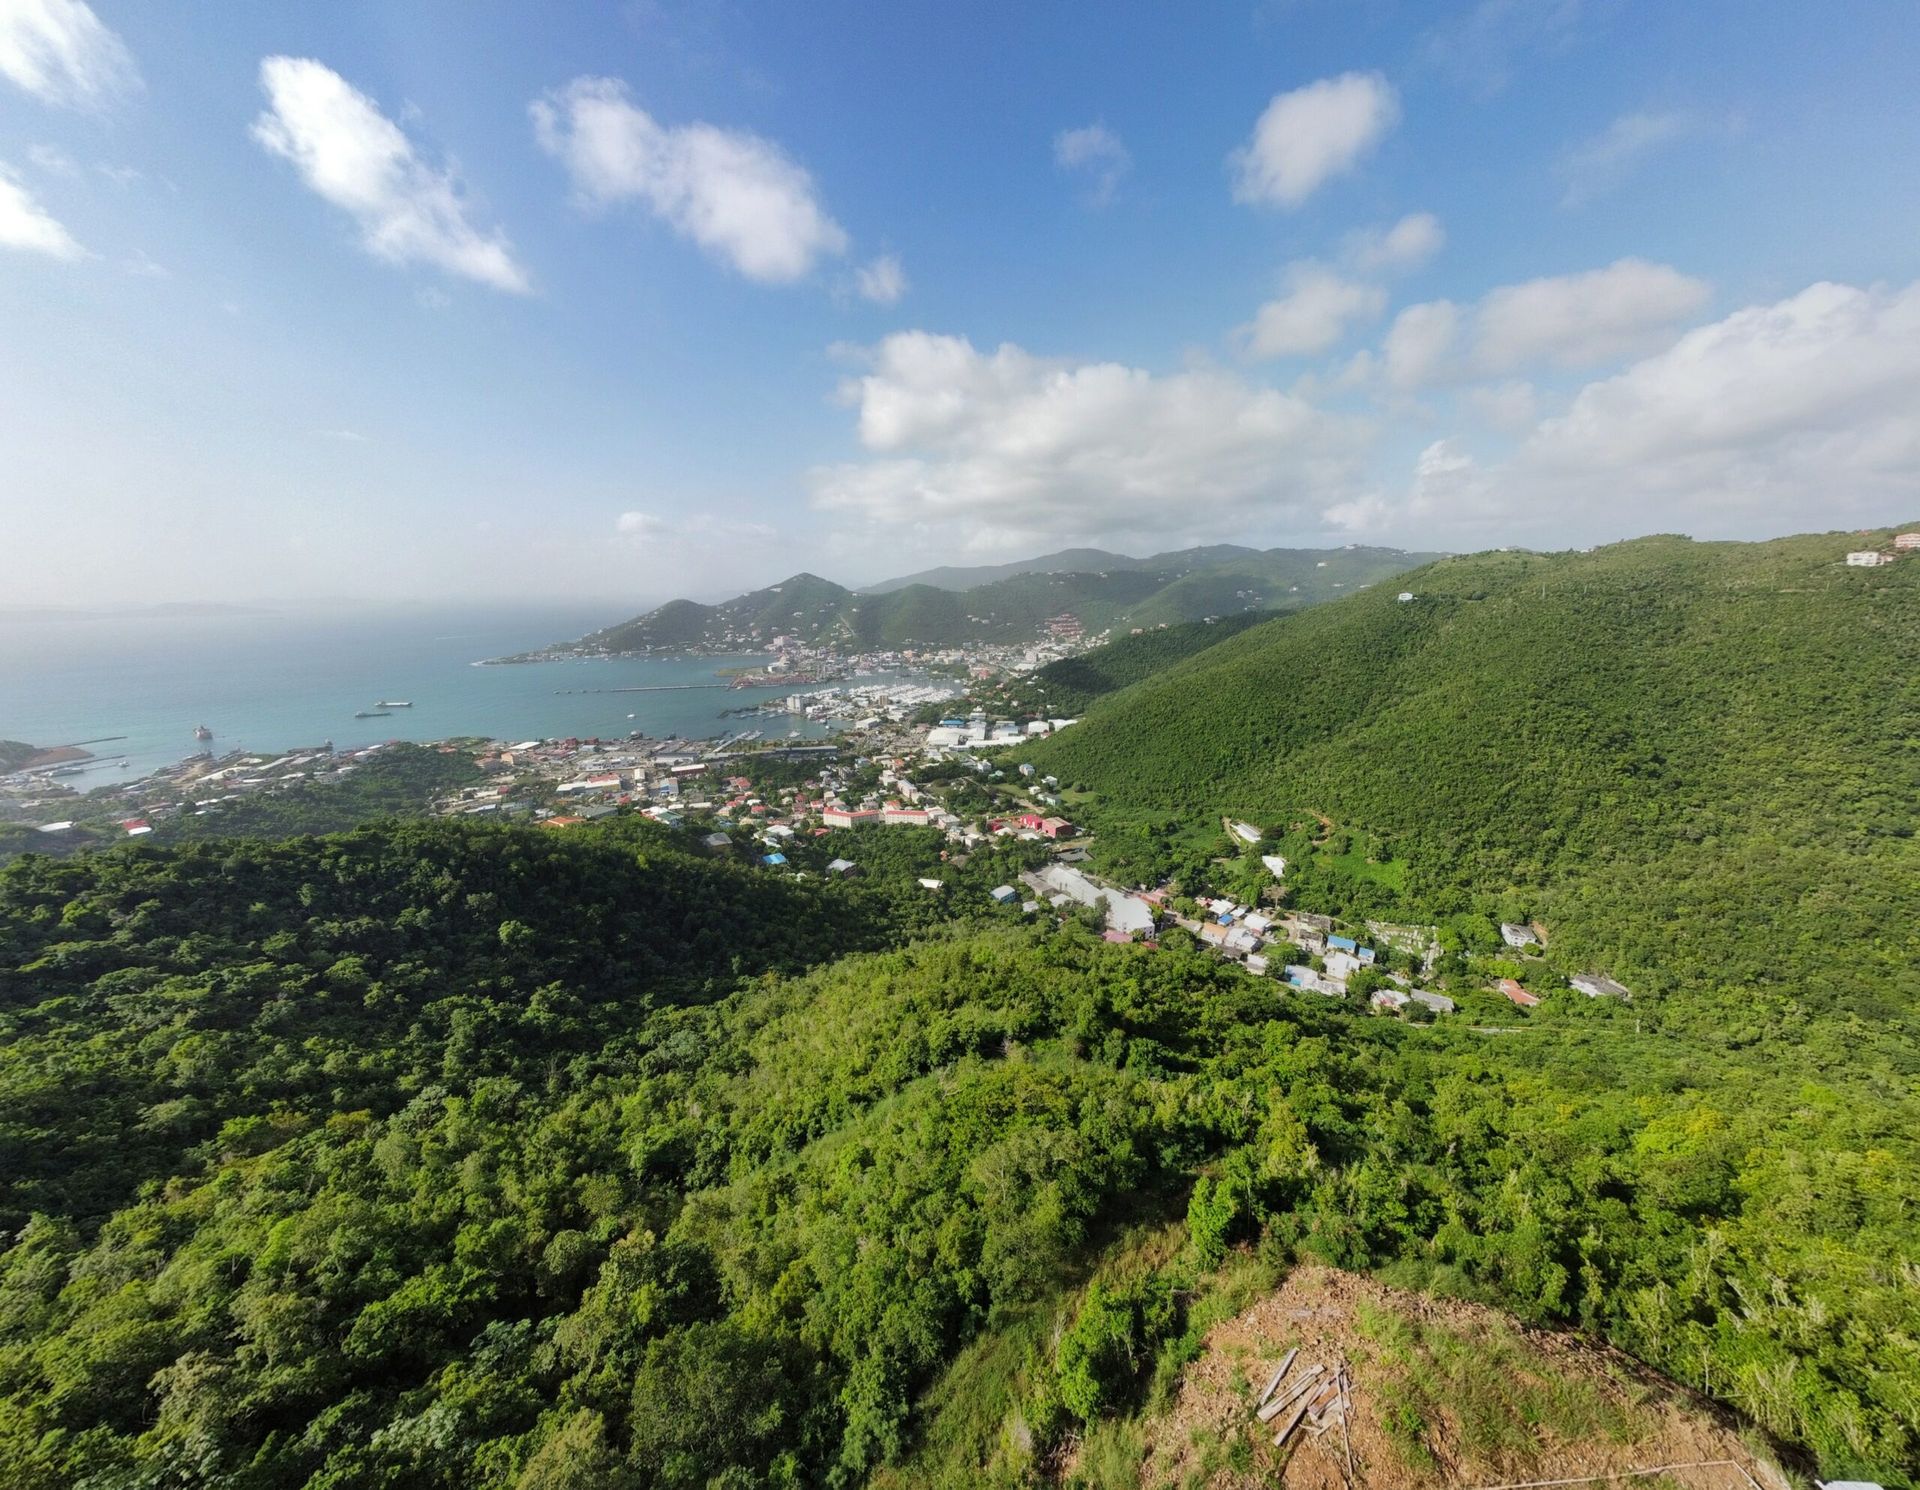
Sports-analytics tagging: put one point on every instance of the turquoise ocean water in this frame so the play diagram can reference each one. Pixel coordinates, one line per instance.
(271, 682)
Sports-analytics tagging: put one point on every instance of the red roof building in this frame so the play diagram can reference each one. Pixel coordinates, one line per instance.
(1518, 994)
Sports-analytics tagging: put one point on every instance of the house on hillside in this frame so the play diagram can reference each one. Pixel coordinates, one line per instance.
(1438, 1002)
(1595, 986)
(1246, 832)
(1518, 935)
(717, 843)
(1308, 981)
(1867, 558)
(1003, 894)
(1276, 864)
(842, 868)
(1341, 965)
(1516, 994)
(1390, 998)
(1906, 542)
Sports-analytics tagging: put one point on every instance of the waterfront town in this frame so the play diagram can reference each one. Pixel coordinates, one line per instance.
(898, 746)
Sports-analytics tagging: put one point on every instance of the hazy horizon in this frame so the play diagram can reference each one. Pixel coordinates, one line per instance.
(329, 305)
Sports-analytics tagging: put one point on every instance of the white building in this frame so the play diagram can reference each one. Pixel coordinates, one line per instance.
(1518, 936)
(1246, 832)
(1276, 864)
(1906, 542)
(1867, 558)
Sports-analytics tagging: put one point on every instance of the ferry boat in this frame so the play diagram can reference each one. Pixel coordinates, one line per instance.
(372, 714)
(394, 703)
(201, 732)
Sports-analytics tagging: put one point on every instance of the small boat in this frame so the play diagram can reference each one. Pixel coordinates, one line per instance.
(201, 732)
(372, 714)
(394, 703)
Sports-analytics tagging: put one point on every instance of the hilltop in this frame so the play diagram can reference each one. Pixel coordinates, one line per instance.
(1010, 603)
(1439, 1393)
(1071, 561)
(1692, 762)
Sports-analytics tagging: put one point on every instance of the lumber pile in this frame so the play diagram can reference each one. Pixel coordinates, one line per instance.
(1315, 1396)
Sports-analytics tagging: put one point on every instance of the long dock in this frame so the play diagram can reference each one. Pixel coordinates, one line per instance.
(644, 688)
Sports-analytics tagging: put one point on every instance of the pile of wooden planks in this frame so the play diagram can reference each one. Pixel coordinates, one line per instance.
(1315, 1395)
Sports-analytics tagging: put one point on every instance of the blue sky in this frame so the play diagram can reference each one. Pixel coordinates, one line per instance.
(470, 299)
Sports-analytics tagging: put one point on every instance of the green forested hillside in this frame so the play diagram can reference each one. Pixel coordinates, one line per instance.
(445, 1156)
(1066, 688)
(1013, 606)
(453, 1155)
(1696, 763)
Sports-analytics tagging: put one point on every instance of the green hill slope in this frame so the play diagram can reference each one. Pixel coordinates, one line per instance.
(1696, 762)
(1065, 689)
(476, 1158)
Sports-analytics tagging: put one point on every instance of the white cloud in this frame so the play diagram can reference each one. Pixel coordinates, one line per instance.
(59, 51)
(641, 525)
(1599, 165)
(1096, 150)
(882, 281)
(1420, 343)
(1315, 312)
(965, 443)
(1802, 413)
(740, 197)
(1408, 244)
(1832, 369)
(1307, 137)
(1582, 320)
(27, 226)
(352, 155)
(1566, 321)
(1509, 407)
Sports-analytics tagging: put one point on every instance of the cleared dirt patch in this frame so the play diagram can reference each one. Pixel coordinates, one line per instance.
(1441, 1394)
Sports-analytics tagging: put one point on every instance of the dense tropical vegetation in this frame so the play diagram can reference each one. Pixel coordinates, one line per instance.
(447, 1154)
(1694, 762)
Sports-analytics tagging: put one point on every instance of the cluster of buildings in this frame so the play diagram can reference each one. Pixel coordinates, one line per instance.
(196, 786)
(1872, 558)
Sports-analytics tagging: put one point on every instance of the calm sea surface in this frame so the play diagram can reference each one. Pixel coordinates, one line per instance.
(271, 682)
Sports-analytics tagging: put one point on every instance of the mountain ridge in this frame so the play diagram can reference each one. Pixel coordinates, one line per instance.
(1191, 585)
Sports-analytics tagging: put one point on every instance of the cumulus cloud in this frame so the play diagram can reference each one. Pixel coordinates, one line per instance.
(1096, 151)
(1566, 321)
(1804, 412)
(1509, 407)
(1420, 342)
(882, 281)
(1408, 244)
(353, 156)
(59, 51)
(739, 197)
(1009, 444)
(1309, 136)
(1582, 320)
(1315, 312)
(29, 227)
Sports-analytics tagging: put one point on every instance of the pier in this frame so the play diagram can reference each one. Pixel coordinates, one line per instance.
(644, 688)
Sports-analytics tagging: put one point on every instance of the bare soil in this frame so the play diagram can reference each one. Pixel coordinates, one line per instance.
(1442, 1394)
